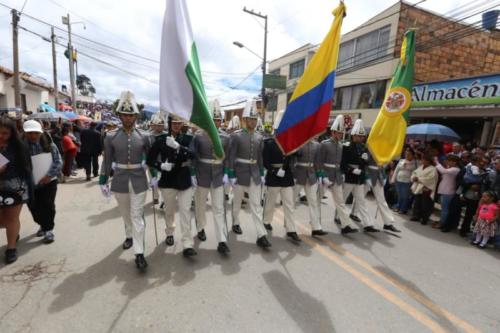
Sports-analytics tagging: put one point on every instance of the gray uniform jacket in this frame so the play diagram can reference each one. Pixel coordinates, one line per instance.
(126, 150)
(209, 174)
(375, 173)
(306, 163)
(330, 157)
(245, 157)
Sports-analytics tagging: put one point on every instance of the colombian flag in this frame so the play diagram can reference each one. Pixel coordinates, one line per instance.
(387, 135)
(308, 111)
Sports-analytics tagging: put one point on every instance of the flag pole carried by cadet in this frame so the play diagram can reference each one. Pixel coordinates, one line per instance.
(181, 85)
(308, 111)
(388, 133)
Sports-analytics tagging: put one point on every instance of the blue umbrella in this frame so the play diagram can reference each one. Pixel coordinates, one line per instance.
(429, 132)
(46, 108)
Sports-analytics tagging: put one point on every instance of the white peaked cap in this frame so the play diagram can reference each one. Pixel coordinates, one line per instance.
(338, 124)
(157, 120)
(234, 123)
(215, 109)
(250, 110)
(127, 103)
(277, 120)
(358, 128)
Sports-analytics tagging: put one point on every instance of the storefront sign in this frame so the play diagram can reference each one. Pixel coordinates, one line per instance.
(472, 91)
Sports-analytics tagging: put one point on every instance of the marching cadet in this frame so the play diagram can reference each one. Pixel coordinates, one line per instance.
(175, 182)
(354, 162)
(124, 149)
(247, 173)
(331, 157)
(306, 170)
(376, 180)
(211, 174)
(157, 127)
(279, 180)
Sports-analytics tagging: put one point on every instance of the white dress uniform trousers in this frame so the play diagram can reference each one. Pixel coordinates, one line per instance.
(311, 192)
(385, 212)
(359, 195)
(180, 201)
(217, 201)
(131, 206)
(286, 194)
(254, 196)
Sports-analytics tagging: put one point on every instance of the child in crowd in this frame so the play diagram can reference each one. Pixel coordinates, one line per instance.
(486, 219)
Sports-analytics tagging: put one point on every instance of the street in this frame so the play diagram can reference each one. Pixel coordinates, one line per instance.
(417, 281)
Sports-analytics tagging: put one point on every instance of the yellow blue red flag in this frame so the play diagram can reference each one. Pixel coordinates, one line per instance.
(308, 111)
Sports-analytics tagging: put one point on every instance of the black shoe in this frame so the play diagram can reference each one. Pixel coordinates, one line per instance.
(348, 230)
(169, 240)
(370, 229)
(237, 229)
(319, 232)
(140, 262)
(424, 222)
(226, 197)
(48, 237)
(355, 218)
(473, 242)
(10, 256)
(40, 233)
(156, 201)
(268, 227)
(162, 206)
(337, 220)
(189, 253)
(202, 236)
(390, 227)
(222, 248)
(88, 178)
(414, 219)
(263, 242)
(482, 246)
(127, 244)
(293, 236)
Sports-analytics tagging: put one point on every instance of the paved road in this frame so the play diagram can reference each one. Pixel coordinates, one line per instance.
(421, 280)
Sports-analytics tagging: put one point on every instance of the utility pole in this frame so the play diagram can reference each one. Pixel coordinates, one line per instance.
(66, 20)
(15, 49)
(264, 60)
(54, 67)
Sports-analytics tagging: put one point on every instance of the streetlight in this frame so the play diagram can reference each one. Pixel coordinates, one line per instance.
(240, 45)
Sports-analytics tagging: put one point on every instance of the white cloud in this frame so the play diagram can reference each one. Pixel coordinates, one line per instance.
(135, 26)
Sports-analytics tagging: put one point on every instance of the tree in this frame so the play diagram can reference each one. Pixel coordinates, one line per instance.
(84, 85)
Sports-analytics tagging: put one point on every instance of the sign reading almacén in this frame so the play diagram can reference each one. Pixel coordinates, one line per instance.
(471, 91)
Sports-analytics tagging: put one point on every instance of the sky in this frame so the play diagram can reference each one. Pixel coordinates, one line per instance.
(230, 73)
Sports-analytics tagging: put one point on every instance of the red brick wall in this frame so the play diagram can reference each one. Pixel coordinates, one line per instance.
(474, 54)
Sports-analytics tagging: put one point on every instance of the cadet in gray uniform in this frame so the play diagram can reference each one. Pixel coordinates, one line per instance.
(306, 170)
(126, 148)
(211, 174)
(330, 161)
(157, 127)
(247, 173)
(376, 180)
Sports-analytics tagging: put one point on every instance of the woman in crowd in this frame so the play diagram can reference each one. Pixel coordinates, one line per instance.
(424, 180)
(69, 150)
(472, 182)
(15, 177)
(486, 219)
(402, 178)
(447, 186)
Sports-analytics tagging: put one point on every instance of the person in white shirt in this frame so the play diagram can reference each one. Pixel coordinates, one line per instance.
(447, 186)
(402, 178)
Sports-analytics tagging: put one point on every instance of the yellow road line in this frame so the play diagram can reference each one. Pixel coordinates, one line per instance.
(411, 310)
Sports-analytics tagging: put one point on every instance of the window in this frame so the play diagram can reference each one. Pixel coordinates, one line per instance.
(296, 69)
(272, 103)
(363, 96)
(366, 48)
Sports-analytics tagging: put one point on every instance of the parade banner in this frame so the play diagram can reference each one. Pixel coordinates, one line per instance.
(308, 111)
(181, 86)
(388, 133)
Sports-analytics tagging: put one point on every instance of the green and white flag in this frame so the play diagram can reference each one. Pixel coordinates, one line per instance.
(181, 86)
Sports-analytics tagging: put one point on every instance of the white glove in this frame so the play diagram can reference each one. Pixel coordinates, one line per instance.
(144, 165)
(225, 179)
(356, 171)
(154, 182)
(233, 181)
(113, 165)
(364, 156)
(263, 179)
(327, 182)
(280, 173)
(166, 166)
(105, 190)
(172, 143)
(475, 170)
(194, 181)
